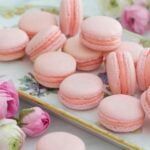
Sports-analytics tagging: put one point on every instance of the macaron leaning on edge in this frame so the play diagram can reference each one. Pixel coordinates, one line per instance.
(12, 43)
(49, 39)
(81, 91)
(51, 68)
(60, 141)
(143, 70)
(121, 73)
(121, 113)
(70, 16)
(86, 59)
(35, 20)
(101, 33)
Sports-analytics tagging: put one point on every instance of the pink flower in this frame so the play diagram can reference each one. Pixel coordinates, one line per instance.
(136, 18)
(9, 100)
(34, 121)
(141, 2)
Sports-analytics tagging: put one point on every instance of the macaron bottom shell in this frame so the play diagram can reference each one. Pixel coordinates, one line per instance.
(118, 126)
(80, 104)
(50, 82)
(12, 56)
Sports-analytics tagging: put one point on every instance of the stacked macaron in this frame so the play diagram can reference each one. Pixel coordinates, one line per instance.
(86, 59)
(59, 50)
(101, 33)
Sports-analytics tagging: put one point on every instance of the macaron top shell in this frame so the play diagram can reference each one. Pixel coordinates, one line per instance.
(101, 27)
(82, 85)
(35, 20)
(60, 141)
(12, 39)
(55, 64)
(80, 52)
(121, 107)
(133, 48)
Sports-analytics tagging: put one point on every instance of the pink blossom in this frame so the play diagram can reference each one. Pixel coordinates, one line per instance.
(34, 121)
(141, 2)
(9, 100)
(136, 18)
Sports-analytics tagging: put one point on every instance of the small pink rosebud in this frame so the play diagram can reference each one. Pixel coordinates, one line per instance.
(34, 121)
(136, 18)
(9, 99)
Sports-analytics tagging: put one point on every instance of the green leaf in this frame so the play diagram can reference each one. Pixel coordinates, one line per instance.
(145, 42)
(25, 112)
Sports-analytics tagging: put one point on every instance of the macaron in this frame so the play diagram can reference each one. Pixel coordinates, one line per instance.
(35, 20)
(121, 113)
(101, 33)
(121, 73)
(70, 16)
(145, 102)
(143, 70)
(12, 43)
(81, 91)
(60, 141)
(86, 58)
(51, 68)
(49, 39)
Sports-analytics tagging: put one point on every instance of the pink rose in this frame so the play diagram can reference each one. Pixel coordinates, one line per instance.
(9, 99)
(34, 121)
(141, 2)
(136, 18)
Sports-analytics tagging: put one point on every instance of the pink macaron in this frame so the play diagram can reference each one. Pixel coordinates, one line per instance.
(51, 68)
(86, 58)
(145, 101)
(12, 44)
(101, 33)
(49, 39)
(143, 70)
(60, 141)
(81, 91)
(70, 16)
(121, 73)
(121, 113)
(36, 20)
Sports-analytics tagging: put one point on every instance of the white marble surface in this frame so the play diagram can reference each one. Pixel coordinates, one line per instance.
(92, 142)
